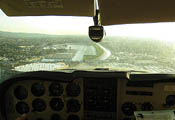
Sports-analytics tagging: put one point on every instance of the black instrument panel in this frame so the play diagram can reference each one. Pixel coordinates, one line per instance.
(100, 98)
(86, 98)
(45, 100)
(82, 98)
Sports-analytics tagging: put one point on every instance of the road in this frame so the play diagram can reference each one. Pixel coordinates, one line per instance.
(90, 50)
(80, 54)
(106, 53)
(82, 50)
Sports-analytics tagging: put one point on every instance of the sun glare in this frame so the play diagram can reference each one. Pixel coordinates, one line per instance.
(160, 31)
(68, 25)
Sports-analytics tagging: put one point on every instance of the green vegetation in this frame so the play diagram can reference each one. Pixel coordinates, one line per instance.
(126, 52)
(23, 48)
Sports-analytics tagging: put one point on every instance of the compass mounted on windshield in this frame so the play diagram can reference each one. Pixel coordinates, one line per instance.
(96, 32)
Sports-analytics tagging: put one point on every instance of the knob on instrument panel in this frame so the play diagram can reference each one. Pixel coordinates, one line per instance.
(170, 100)
(128, 108)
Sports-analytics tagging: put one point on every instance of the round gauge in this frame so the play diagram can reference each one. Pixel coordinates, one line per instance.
(170, 100)
(147, 106)
(73, 117)
(73, 105)
(38, 105)
(56, 104)
(55, 117)
(22, 107)
(38, 89)
(73, 90)
(56, 89)
(128, 108)
(20, 92)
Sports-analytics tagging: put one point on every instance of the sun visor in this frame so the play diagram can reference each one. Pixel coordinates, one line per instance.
(136, 11)
(47, 7)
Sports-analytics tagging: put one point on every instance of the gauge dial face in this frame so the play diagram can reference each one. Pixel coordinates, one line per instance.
(128, 108)
(38, 89)
(170, 100)
(56, 89)
(56, 104)
(38, 105)
(73, 105)
(22, 107)
(20, 92)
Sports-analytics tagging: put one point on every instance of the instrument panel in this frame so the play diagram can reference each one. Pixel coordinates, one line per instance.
(45, 100)
(86, 98)
(144, 96)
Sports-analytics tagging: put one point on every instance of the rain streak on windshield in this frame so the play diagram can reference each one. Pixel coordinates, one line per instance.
(53, 43)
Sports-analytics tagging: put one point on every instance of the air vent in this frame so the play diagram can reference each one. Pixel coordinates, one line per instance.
(140, 93)
(139, 84)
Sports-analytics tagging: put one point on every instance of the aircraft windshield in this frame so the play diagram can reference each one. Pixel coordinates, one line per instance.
(51, 43)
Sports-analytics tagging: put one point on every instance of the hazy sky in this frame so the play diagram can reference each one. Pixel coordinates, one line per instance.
(46, 24)
(79, 25)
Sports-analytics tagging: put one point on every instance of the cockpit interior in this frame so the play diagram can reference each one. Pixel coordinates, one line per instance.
(93, 60)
